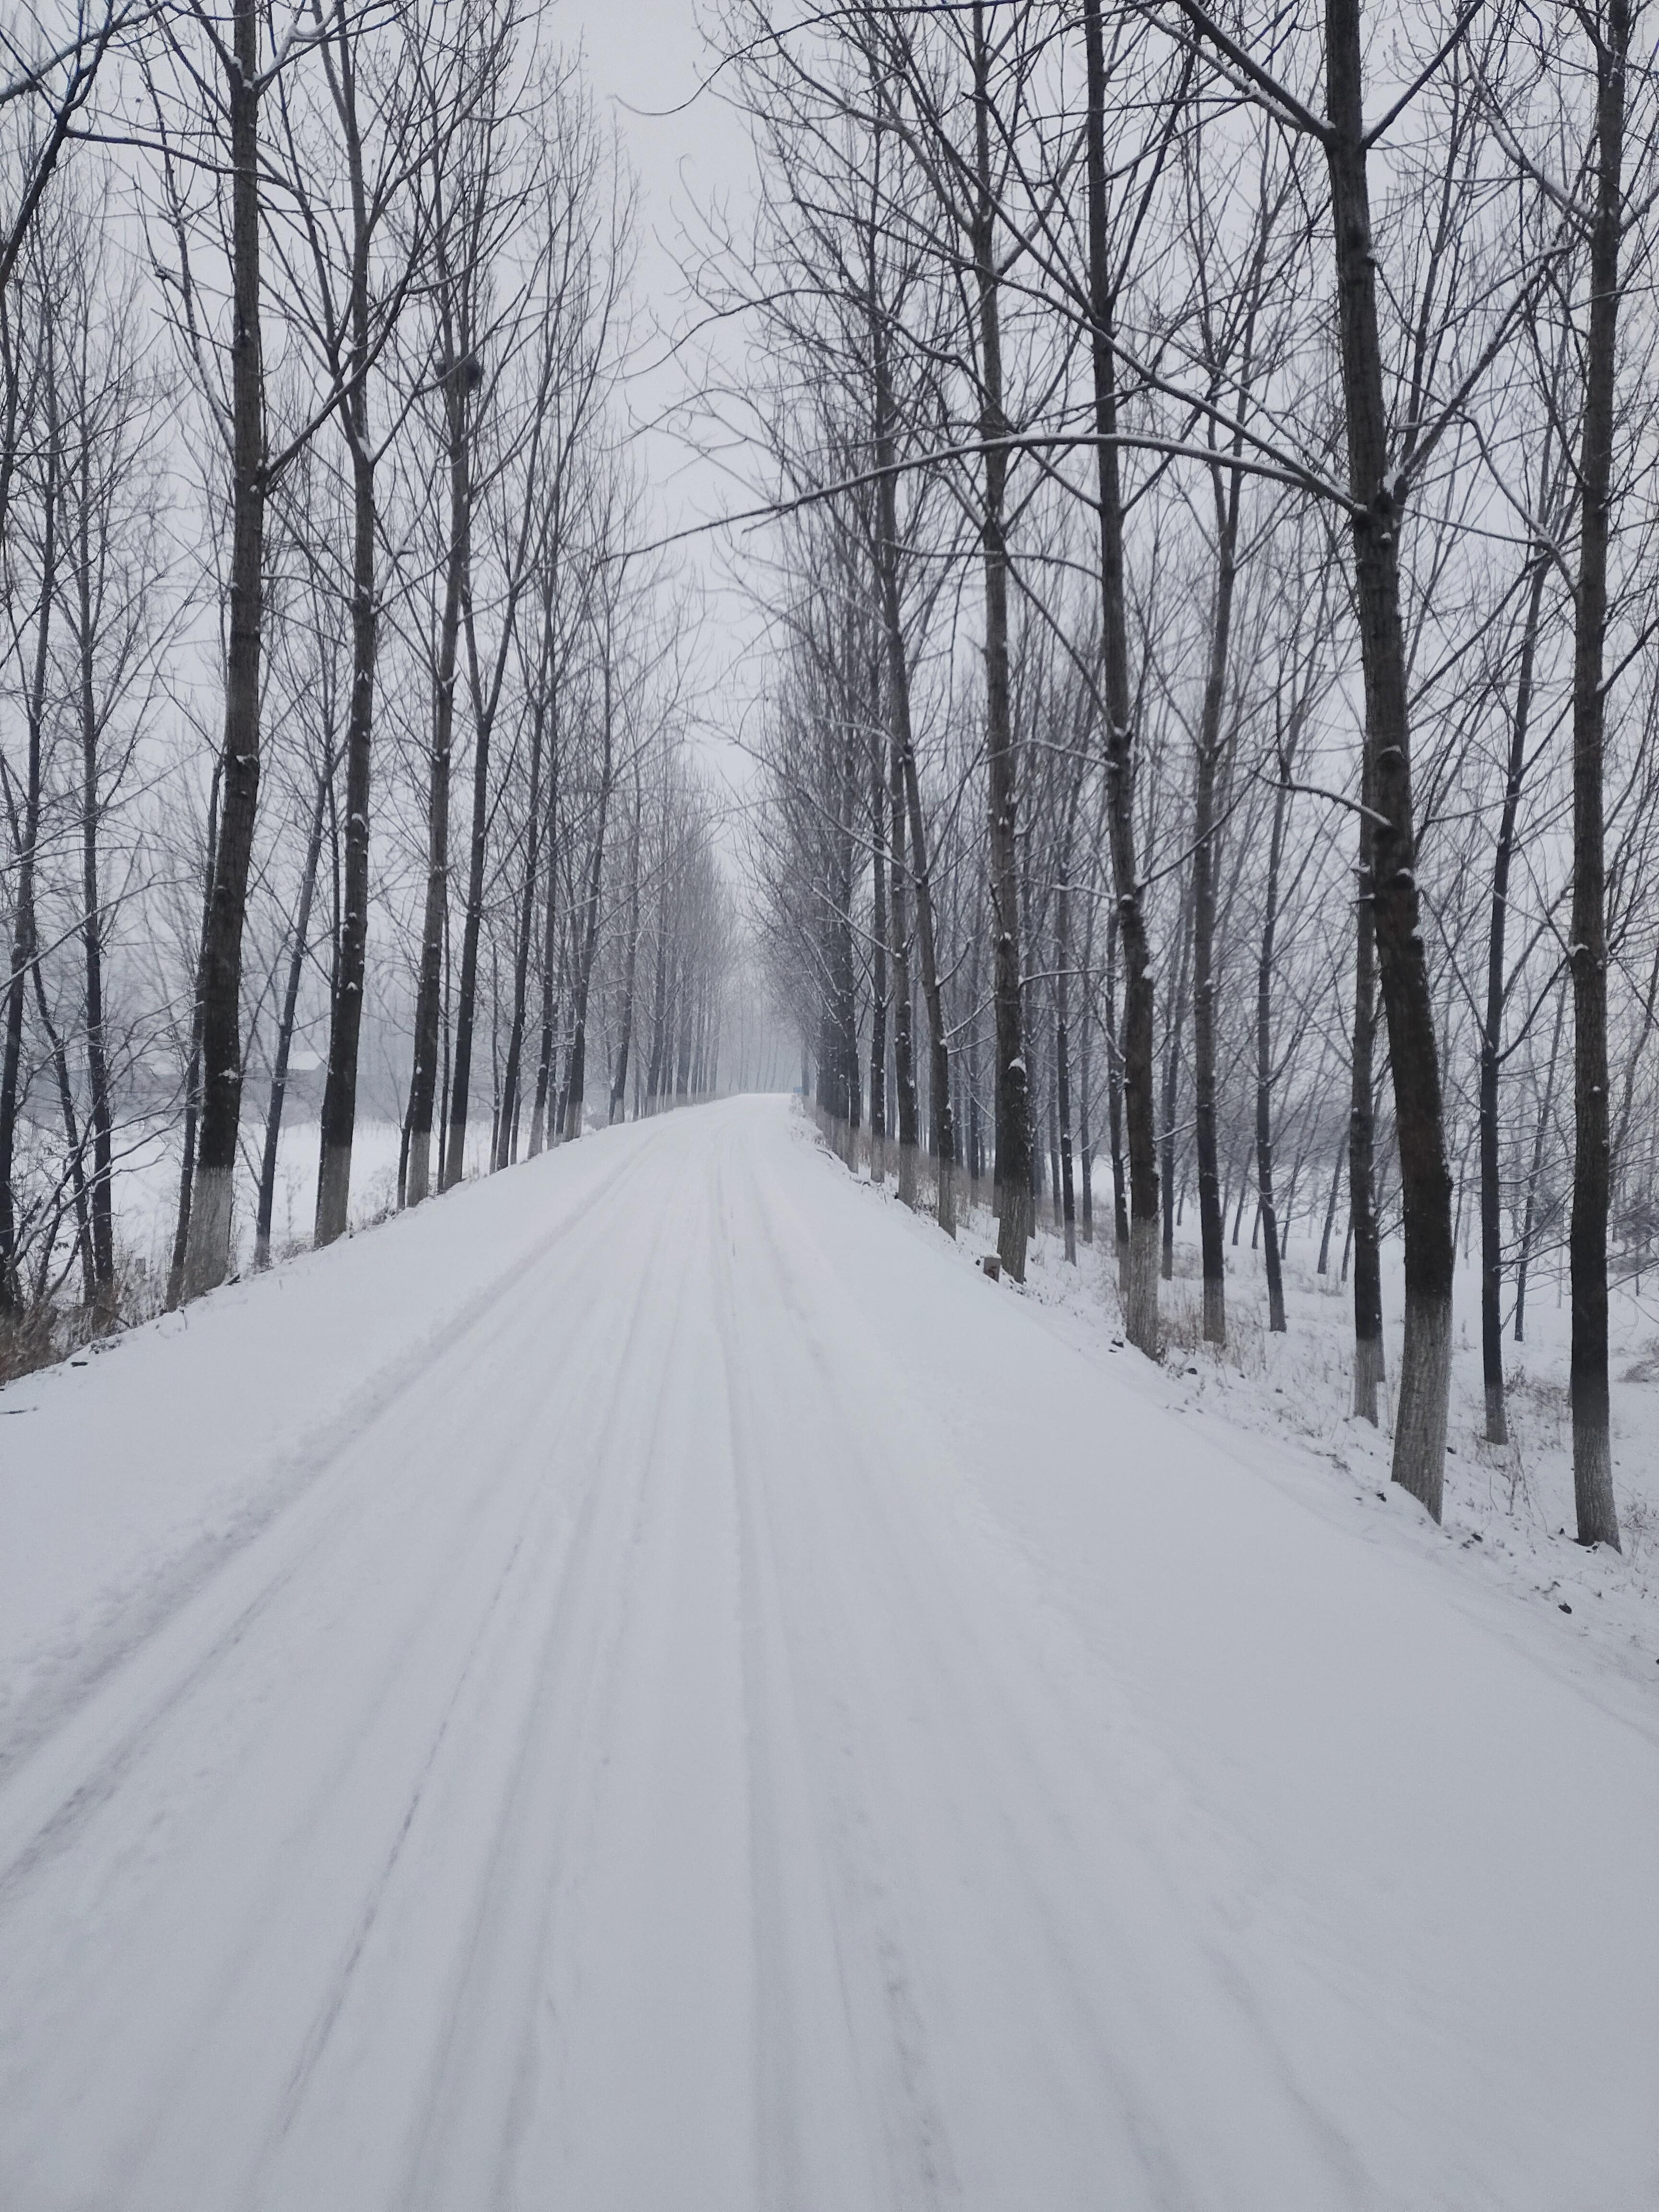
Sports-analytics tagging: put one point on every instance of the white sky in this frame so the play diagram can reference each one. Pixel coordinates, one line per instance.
(645, 62)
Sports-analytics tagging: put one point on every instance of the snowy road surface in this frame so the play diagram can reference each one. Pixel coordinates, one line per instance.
(650, 1685)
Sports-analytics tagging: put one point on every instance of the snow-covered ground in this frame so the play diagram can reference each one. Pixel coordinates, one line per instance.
(146, 1190)
(1509, 1508)
(649, 1682)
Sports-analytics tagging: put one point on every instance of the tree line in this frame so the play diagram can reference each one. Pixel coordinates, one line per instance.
(343, 727)
(1211, 731)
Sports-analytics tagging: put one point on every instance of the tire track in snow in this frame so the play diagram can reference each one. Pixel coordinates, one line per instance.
(562, 1723)
(28, 1836)
(257, 1627)
(681, 1762)
(288, 1477)
(903, 1622)
(860, 1951)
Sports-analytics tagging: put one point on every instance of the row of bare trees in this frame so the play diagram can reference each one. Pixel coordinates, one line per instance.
(342, 725)
(1217, 658)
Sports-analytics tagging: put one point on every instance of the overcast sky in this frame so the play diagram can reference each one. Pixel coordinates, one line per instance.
(645, 61)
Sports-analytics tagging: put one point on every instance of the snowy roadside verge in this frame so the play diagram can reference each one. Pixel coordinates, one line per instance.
(1278, 1404)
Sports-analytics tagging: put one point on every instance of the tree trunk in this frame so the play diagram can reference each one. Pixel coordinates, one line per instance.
(1491, 1029)
(975, 1140)
(1085, 1020)
(576, 1079)
(848, 1078)
(683, 1060)
(506, 1146)
(346, 1010)
(660, 1005)
(1140, 1237)
(904, 1054)
(1419, 1444)
(175, 1290)
(76, 1151)
(878, 962)
(619, 1085)
(1211, 1225)
(539, 1113)
(26, 830)
(898, 700)
(1012, 1086)
(467, 998)
(1172, 1084)
(659, 1001)
(1369, 1367)
(429, 995)
(98, 1108)
(285, 1023)
(208, 1254)
(1264, 1072)
(1540, 1137)
(1114, 1114)
(1054, 1196)
(1062, 1033)
(1323, 1267)
(1592, 1440)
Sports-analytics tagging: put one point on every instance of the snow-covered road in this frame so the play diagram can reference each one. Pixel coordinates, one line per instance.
(650, 1685)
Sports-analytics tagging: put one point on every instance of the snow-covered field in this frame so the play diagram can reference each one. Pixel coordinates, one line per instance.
(649, 1682)
(146, 1189)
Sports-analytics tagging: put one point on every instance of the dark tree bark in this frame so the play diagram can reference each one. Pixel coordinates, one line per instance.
(1012, 1084)
(429, 993)
(849, 1081)
(878, 960)
(619, 1084)
(1419, 1444)
(76, 1153)
(1491, 1027)
(1062, 1030)
(1115, 1112)
(976, 1137)
(1211, 747)
(175, 1290)
(659, 1001)
(1172, 1079)
(208, 1253)
(485, 684)
(898, 704)
(339, 1116)
(99, 1116)
(1540, 1139)
(1054, 1156)
(545, 1089)
(1264, 1072)
(576, 1079)
(903, 1052)
(1368, 1368)
(683, 1057)
(466, 996)
(296, 964)
(26, 835)
(506, 1148)
(1085, 1026)
(1592, 1441)
(1324, 1261)
(1139, 1239)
